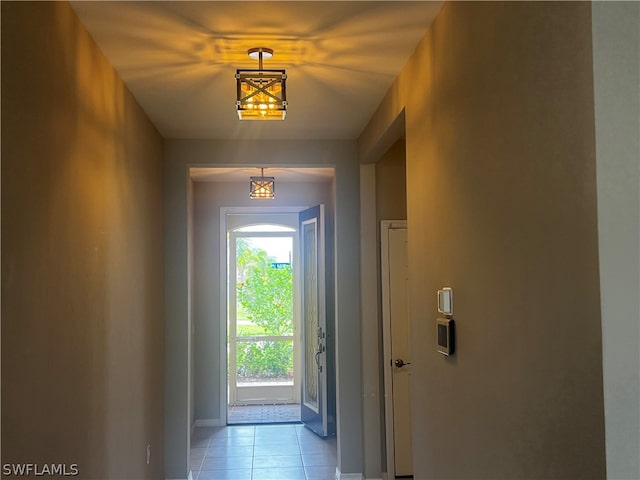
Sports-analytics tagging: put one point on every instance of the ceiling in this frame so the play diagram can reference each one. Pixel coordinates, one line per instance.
(179, 60)
(242, 174)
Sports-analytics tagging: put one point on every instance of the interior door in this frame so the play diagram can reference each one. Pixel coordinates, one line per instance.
(314, 321)
(397, 349)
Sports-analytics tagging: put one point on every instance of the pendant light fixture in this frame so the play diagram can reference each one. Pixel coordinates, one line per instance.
(261, 94)
(262, 188)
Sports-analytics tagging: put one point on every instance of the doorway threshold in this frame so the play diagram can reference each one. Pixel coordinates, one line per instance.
(263, 414)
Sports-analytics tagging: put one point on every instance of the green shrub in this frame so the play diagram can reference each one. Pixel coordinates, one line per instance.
(265, 295)
(265, 359)
(267, 299)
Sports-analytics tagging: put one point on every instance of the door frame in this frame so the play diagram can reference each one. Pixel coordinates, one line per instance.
(385, 226)
(224, 212)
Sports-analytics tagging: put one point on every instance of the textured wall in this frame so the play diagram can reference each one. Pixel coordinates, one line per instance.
(82, 328)
(501, 191)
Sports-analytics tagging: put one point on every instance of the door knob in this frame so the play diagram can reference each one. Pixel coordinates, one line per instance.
(401, 363)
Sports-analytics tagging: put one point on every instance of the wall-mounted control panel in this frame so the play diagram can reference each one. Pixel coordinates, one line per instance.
(445, 326)
(445, 333)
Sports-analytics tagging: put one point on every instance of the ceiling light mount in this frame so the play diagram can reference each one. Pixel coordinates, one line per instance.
(261, 94)
(260, 53)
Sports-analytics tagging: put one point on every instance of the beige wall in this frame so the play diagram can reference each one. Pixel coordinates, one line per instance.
(391, 184)
(82, 269)
(372, 413)
(501, 193)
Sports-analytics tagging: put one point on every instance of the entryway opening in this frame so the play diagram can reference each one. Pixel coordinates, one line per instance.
(263, 355)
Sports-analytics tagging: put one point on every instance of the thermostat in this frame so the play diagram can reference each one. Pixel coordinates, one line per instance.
(445, 334)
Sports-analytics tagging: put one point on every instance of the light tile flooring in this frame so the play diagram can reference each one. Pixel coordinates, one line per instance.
(264, 414)
(261, 452)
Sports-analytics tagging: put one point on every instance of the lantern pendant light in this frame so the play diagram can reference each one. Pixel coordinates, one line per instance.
(261, 93)
(262, 188)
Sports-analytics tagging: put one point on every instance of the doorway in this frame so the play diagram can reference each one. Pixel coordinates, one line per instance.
(279, 337)
(263, 354)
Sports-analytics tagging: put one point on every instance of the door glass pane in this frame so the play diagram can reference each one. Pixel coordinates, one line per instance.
(310, 314)
(264, 362)
(264, 286)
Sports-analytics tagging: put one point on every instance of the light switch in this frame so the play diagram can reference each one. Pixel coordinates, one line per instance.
(445, 301)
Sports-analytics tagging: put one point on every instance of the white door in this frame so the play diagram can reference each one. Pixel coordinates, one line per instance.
(397, 348)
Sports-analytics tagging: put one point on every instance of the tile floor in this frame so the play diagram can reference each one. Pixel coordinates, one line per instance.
(261, 452)
(253, 414)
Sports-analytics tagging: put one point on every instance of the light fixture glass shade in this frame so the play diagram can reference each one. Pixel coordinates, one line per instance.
(261, 94)
(262, 188)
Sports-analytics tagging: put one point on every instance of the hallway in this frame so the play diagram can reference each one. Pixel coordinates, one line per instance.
(262, 452)
(504, 133)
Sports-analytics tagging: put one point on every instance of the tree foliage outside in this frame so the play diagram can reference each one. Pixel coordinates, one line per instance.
(265, 294)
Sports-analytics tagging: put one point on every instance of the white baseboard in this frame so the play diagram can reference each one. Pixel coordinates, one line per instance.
(209, 422)
(348, 476)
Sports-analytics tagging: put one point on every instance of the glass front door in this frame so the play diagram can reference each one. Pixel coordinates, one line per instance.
(314, 322)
